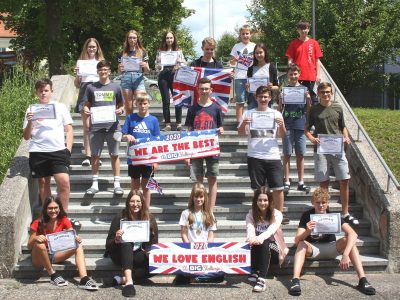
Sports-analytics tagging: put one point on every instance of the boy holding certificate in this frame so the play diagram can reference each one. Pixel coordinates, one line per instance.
(104, 103)
(316, 245)
(293, 104)
(140, 125)
(49, 151)
(263, 126)
(327, 119)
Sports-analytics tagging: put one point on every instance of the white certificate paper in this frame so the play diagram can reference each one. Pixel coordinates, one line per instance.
(294, 95)
(262, 120)
(87, 67)
(43, 111)
(330, 144)
(256, 82)
(187, 76)
(326, 223)
(168, 58)
(61, 241)
(135, 231)
(131, 64)
(103, 114)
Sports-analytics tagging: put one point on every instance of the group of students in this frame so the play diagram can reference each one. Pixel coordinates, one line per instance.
(50, 156)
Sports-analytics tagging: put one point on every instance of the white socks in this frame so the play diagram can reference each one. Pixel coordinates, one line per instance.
(95, 184)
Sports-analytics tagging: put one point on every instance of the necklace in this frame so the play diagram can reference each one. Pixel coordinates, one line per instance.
(199, 225)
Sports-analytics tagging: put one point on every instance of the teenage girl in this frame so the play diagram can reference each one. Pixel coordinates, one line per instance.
(91, 50)
(53, 220)
(132, 257)
(166, 77)
(264, 236)
(261, 68)
(132, 82)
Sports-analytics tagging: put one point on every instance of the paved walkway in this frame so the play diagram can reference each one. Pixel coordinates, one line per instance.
(339, 286)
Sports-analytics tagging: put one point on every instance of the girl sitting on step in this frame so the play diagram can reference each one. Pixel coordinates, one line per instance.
(54, 219)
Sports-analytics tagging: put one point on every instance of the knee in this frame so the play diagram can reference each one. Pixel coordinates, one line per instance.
(301, 247)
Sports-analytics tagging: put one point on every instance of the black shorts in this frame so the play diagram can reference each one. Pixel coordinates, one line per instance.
(140, 171)
(265, 171)
(45, 164)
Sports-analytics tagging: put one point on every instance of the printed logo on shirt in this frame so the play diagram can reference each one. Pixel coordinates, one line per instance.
(106, 96)
(203, 121)
(141, 128)
(262, 133)
(261, 228)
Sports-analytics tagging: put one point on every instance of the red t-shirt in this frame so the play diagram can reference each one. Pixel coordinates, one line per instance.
(305, 55)
(62, 224)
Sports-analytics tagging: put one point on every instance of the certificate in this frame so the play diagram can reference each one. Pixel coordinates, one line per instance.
(87, 67)
(256, 82)
(168, 58)
(135, 231)
(330, 144)
(43, 111)
(294, 95)
(187, 76)
(131, 64)
(103, 114)
(61, 241)
(326, 223)
(262, 120)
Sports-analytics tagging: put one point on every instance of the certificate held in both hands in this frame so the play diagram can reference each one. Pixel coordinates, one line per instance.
(103, 114)
(168, 58)
(255, 83)
(43, 111)
(131, 64)
(326, 223)
(187, 76)
(61, 241)
(330, 144)
(262, 120)
(294, 95)
(135, 231)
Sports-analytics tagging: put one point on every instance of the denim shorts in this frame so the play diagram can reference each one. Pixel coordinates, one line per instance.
(133, 81)
(212, 165)
(325, 162)
(240, 90)
(294, 138)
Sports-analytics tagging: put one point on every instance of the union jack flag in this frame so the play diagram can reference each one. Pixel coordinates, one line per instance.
(153, 185)
(186, 95)
(244, 61)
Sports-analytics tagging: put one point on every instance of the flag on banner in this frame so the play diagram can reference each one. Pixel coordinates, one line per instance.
(186, 95)
(153, 185)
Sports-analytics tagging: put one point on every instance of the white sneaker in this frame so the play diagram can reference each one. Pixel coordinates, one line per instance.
(260, 285)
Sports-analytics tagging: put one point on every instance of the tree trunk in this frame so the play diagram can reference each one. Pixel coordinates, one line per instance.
(55, 50)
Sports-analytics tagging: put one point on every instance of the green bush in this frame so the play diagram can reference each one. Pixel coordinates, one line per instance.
(16, 93)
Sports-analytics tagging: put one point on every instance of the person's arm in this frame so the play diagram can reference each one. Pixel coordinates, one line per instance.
(34, 238)
(184, 234)
(351, 242)
(281, 132)
(303, 233)
(280, 104)
(244, 124)
(251, 230)
(318, 66)
(210, 238)
(69, 136)
(27, 134)
(346, 137)
(272, 228)
(77, 79)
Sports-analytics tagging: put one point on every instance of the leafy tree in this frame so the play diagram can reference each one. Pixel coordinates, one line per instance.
(225, 45)
(356, 36)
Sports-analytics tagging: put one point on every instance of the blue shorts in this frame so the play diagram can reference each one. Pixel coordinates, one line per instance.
(294, 138)
(133, 81)
(240, 91)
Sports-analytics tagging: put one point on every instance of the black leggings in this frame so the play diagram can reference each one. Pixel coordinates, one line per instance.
(261, 257)
(165, 80)
(137, 261)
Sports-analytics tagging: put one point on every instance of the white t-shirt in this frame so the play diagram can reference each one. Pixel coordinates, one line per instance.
(197, 232)
(261, 72)
(262, 143)
(244, 50)
(48, 134)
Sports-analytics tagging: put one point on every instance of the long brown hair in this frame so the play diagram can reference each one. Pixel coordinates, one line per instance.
(138, 47)
(264, 48)
(208, 218)
(269, 214)
(84, 53)
(44, 218)
(164, 46)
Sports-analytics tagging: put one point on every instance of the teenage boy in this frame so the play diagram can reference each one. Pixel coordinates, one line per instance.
(104, 93)
(294, 116)
(49, 151)
(325, 246)
(207, 60)
(263, 157)
(140, 125)
(327, 118)
(205, 114)
(306, 53)
(242, 57)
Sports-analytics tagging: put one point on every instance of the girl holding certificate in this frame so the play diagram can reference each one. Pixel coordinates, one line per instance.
(265, 236)
(169, 58)
(133, 257)
(133, 62)
(53, 220)
(91, 51)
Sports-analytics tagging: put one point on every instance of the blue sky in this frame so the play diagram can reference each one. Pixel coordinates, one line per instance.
(227, 15)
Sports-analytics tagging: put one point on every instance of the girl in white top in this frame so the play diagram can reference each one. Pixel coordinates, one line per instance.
(91, 50)
(267, 244)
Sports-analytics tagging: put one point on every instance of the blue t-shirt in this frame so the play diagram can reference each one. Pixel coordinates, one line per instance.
(140, 127)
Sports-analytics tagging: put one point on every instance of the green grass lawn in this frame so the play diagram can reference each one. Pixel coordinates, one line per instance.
(383, 127)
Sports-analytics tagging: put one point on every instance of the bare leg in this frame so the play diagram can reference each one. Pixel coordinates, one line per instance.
(344, 195)
(286, 167)
(79, 259)
(127, 276)
(44, 188)
(40, 258)
(115, 164)
(146, 191)
(95, 164)
(303, 250)
(86, 124)
(354, 256)
(128, 101)
(277, 195)
(300, 166)
(324, 184)
(63, 188)
(239, 111)
(212, 191)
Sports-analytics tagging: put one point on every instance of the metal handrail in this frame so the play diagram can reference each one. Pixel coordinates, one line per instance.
(361, 129)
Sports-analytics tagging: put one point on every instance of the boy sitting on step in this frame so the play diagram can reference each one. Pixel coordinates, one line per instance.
(325, 246)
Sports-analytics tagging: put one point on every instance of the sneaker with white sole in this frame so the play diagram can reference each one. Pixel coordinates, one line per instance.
(86, 162)
(118, 191)
(295, 289)
(260, 285)
(91, 191)
(350, 220)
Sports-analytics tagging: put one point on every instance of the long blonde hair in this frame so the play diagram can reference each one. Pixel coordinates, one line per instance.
(208, 218)
(84, 53)
(138, 47)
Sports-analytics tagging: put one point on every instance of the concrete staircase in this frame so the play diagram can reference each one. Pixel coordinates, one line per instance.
(233, 203)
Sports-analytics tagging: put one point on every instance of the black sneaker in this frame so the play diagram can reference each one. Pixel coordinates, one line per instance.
(295, 289)
(351, 220)
(365, 287)
(128, 291)
(303, 188)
